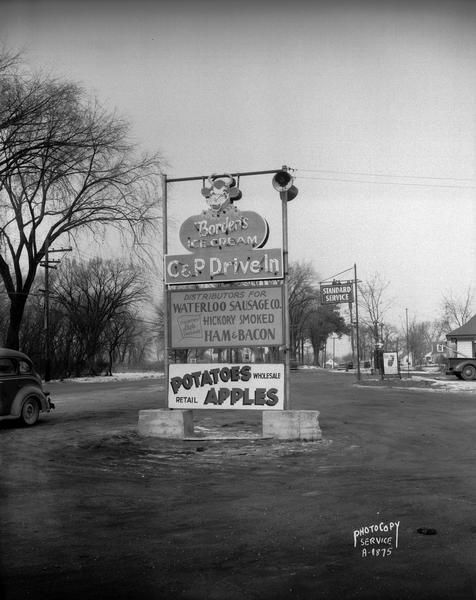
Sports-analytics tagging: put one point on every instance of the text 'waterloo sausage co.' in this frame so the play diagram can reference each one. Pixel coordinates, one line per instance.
(232, 317)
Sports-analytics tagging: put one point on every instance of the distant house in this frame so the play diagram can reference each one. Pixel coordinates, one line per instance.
(463, 339)
(437, 353)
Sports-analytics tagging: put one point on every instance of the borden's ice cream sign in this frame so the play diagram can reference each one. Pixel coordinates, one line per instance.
(238, 386)
(223, 242)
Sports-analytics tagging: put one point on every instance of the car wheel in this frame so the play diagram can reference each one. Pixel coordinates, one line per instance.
(468, 372)
(30, 411)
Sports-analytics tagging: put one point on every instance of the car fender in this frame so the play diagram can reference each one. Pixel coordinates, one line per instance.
(22, 395)
(461, 365)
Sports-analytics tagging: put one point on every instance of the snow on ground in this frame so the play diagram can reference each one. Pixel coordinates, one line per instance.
(436, 385)
(118, 377)
(448, 385)
(429, 384)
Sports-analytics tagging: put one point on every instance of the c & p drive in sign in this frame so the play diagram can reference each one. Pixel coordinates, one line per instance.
(224, 317)
(223, 266)
(233, 386)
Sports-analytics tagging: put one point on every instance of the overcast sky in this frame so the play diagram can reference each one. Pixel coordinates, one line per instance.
(373, 105)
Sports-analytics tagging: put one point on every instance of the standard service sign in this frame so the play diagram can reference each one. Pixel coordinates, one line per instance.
(231, 317)
(231, 386)
(336, 293)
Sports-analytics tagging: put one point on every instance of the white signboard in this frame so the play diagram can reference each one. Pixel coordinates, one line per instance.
(390, 363)
(337, 293)
(226, 317)
(226, 386)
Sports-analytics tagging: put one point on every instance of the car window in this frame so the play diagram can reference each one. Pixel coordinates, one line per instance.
(7, 367)
(25, 368)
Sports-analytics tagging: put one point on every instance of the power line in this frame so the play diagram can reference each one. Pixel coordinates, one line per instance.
(336, 275)
(365, 174)
(430, 185)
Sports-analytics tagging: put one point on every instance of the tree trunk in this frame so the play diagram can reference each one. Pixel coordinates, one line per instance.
(109, 365)
(315, 351)
(17, 308)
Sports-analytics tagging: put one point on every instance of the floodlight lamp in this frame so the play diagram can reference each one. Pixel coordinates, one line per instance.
(282, 181)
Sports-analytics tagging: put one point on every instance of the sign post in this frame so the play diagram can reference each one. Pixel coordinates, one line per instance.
(165, 249)
(357, 334)
(287, 339)
(225, 245)
(343, 292)
(283, 183)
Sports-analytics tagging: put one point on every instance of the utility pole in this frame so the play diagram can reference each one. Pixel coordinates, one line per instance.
(354, 282)
(352, 344)
(408, 347)
(357, 322)
(48, 264)
(286, 320)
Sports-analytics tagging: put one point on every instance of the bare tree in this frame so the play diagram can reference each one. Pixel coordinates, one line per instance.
(159, 327)
(456, 309)
(373, 304)
(391, 336)
(303, 296)
(32, 333)
(420, 338)
(118, 337)
(4, 308)
(65, 165)
(98, 299)
(8, 59)
(366, 342)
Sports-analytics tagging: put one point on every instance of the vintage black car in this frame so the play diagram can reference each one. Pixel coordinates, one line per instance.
(21, 390)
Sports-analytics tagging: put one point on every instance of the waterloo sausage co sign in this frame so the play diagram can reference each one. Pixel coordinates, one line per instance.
(235, 386)
(237, 317)
(337, 293)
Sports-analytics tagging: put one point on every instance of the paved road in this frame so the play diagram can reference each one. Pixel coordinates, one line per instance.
(89, 509)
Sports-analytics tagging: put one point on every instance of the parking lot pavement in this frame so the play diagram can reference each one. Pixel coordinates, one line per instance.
(92, 510)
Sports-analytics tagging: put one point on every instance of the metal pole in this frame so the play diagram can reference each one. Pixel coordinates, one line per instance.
(46, 264)
(287, 338)
(47, 314)
(408, 346)
(352, 345)
(241, 174)
(357, 323)
(165, 295)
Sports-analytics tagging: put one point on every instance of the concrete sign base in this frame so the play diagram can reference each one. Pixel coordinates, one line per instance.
(292, 425)
(171, 424)
(282, 425)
